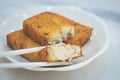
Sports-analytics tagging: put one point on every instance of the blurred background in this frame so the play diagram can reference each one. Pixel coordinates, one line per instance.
(106, 67)
(104, 8)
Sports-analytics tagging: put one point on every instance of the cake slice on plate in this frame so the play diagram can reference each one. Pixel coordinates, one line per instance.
(65, 52)
(48, 28)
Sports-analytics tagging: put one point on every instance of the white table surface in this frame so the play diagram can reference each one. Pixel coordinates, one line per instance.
(106, 67)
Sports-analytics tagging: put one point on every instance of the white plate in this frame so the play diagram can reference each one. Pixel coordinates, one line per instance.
(94, 48)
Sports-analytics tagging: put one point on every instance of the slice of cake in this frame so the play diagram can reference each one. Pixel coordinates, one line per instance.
(65, 52)
(48, 28)
(18, 40)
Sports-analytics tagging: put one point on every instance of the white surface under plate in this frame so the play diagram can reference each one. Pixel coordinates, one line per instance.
(94, 48)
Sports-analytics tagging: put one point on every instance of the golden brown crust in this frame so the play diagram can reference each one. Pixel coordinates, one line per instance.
(39, 29)
(17, 40)
(42, 26)
(82, 35)
(43, 55)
